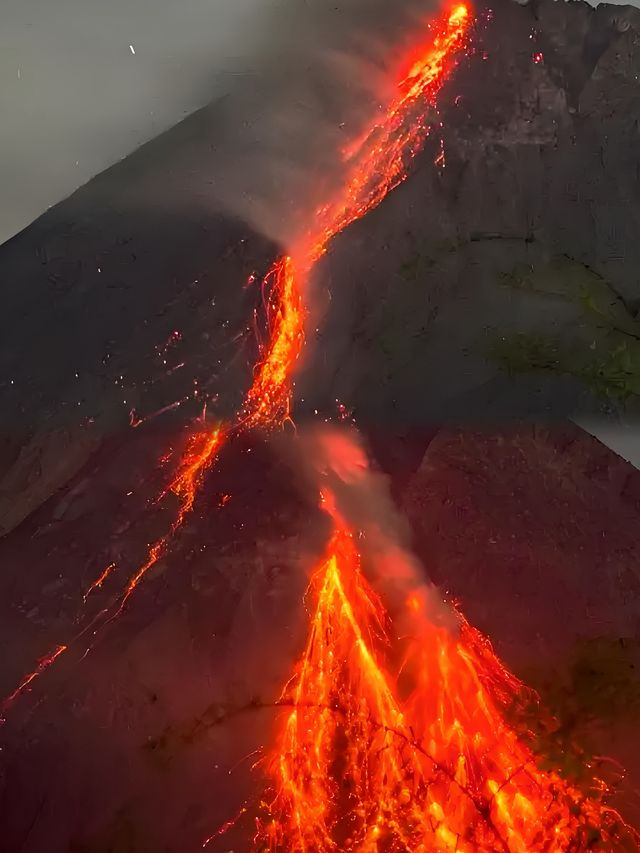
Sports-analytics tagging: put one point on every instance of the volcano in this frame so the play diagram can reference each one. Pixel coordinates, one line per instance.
(385, 748)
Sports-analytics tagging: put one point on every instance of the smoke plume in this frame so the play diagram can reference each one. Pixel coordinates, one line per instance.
(358, 495)
(323, 72)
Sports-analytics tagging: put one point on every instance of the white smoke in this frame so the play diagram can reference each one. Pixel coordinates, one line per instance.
(80, 96)
(324, 72)
(338, 464)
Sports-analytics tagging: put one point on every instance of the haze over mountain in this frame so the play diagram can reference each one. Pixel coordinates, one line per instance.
(134, 299)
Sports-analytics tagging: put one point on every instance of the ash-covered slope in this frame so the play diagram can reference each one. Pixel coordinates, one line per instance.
(539, 134)
(124, 299)
(537, 176)
(534, 531)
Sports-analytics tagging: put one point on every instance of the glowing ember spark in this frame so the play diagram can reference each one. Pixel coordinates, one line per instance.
(422, 761)
(44, 663)
(376, 163)
(226, 826)
(97, 584)
(200, 453)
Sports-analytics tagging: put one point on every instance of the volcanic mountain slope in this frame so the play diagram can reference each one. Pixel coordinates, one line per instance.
(180, 681)
(127, 298)
(539, 137)
(537, 165)
(535, 531)
(148, 742)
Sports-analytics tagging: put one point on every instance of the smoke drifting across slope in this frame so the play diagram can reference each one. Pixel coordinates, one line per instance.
(324, 72)
(357, 494)
(85, 85)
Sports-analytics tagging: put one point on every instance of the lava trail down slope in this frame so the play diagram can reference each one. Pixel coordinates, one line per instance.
(375, 164)
(421, 759)
(389, 744)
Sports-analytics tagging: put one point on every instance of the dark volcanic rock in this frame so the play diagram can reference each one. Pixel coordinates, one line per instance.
(540, 132)
(143, 736)
(537, 528)
(127, 297)
(535, 531)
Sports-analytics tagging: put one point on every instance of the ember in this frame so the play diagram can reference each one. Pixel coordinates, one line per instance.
(376, 163)
(413, 755)
(390, 744)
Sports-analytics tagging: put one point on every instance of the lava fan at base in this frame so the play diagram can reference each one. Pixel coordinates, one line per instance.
(419, 762)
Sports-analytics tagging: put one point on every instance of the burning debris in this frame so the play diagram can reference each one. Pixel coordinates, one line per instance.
(375, 164)
(399, 743)
(395, 739)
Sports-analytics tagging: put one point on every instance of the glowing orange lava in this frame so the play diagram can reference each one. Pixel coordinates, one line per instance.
(98, 582)
(269, 397)
(378, 161)
(375, 164)
(202, 449)
(44, 663)
(422, 761)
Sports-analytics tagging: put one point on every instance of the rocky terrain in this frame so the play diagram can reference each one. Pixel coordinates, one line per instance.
(540, 142)
(540, 131)
(145, 736)
(132, 300)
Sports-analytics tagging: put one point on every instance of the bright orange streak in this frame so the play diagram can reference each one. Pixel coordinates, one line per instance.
(201, 451)
(44, 663)
(378, 161)
(423, 761)
(99, 581)
(268, 399)
(375, 165)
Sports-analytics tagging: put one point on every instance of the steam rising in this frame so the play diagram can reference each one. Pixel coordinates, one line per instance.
(359, 495)
(324, 73)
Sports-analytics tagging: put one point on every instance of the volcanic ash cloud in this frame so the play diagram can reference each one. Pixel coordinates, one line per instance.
(356, 494)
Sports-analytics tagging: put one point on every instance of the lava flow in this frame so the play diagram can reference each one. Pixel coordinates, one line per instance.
(202, 449)
(402, 746)
(374, 164)
(43, 664)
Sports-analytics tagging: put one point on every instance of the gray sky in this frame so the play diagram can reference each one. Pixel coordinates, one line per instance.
(75, 97)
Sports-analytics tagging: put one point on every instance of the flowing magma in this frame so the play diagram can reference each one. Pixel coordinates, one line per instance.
(387, 744)
(412, 757)
(374, 164)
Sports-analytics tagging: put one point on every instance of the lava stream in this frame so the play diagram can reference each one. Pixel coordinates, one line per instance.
(370, 761)
(43, 664)
(202, 449)
(375, 164)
